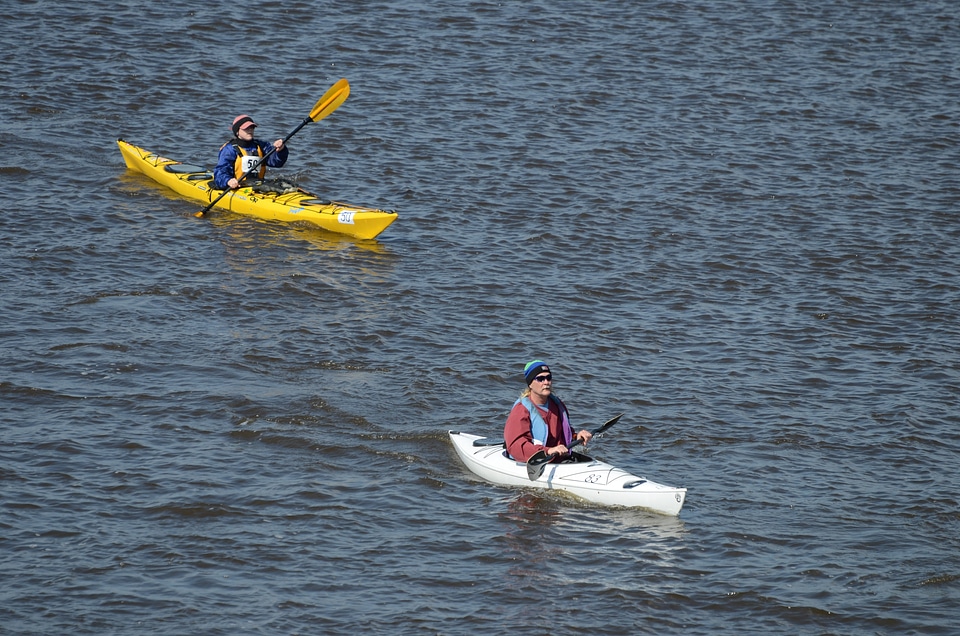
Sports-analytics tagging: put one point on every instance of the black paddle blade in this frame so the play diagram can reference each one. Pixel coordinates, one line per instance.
(608, 424)
(536, 464)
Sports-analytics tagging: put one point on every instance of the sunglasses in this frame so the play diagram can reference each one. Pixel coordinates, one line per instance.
(544, 378)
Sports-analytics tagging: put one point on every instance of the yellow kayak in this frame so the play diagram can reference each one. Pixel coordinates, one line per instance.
(196, 183)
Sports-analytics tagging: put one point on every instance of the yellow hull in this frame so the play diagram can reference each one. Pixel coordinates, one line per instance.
(196, 183)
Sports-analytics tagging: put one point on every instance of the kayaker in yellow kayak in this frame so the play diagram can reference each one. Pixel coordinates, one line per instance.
(539, 420)
(238, 155)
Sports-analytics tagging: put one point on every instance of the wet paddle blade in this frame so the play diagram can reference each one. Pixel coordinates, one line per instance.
(608, 424)
(536, 463)
(331, 100)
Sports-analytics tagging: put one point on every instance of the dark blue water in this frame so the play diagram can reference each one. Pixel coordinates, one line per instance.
(735, 222)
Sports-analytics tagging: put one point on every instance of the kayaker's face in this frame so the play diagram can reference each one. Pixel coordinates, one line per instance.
(542, 385)
(247, 133)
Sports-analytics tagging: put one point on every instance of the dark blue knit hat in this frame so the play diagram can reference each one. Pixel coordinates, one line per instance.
(533, 369)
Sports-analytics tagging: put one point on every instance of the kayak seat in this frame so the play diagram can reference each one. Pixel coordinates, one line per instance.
(577, 458)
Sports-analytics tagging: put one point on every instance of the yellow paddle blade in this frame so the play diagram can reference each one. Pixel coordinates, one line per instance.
(331, 100)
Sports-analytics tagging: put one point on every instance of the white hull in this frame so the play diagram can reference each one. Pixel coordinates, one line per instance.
(595, 481)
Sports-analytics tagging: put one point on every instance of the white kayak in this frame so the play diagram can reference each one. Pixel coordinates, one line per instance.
(591, 479)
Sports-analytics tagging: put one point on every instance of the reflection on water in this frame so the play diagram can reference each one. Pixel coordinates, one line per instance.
(531, 513)
(531, 509)
(528, 537)
(254, 233)
(331, 241)
(276, 233)
(553, 537)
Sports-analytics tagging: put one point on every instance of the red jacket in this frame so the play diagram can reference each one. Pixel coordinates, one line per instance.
(516, 432)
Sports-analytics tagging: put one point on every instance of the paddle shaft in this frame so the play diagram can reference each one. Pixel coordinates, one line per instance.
(599, 431)
(253, 169)
(272, 151)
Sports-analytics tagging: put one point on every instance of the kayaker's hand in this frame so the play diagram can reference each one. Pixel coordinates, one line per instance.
(278, 144)
(559, 449)
(233, 184)
(585, 435)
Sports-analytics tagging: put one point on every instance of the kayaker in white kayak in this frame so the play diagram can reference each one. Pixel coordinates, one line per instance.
(539, 420)
(238, 155)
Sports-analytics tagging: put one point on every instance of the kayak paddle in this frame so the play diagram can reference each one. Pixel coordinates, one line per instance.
(330, 102)
(539, 460)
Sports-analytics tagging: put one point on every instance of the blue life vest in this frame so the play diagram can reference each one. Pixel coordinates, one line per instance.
(538, 425)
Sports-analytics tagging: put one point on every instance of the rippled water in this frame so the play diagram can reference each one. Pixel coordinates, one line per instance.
(734, 222)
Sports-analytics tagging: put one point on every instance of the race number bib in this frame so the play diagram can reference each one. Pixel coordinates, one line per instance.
(248, 163)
